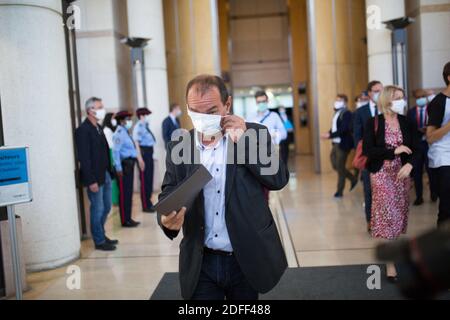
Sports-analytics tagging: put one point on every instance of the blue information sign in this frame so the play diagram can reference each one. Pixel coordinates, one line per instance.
(14, 176)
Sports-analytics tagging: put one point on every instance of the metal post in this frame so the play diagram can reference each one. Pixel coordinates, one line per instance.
(143, 75)
(395, 62)
(14, 252)
(134, 82)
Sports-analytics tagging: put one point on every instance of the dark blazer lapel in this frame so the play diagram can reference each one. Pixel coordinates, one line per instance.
(231, 169)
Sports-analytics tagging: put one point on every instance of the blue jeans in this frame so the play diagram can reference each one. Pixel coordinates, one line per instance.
(221, 278)
(101, 202)
(367, 194)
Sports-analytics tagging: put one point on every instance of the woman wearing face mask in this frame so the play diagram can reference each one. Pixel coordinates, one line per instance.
(390, 145)
(109, 126)
(125, 155)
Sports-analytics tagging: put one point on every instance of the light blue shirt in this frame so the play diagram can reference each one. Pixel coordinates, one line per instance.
(214, 158)
(123, 147)
(274, 124)
(142, 134)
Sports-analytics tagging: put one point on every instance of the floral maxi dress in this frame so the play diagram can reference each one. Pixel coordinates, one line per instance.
(390, 196)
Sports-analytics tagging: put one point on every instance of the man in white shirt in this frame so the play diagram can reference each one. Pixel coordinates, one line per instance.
(438, 136)
(269, 119)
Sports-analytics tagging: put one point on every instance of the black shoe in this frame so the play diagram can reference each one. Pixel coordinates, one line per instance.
(338, 195)
(418, 202)
(129, 225)
(136, 223)
(434, 198)
(150, 210)
(354, 184)
(392, 280)
(113, 242)
(105, 247)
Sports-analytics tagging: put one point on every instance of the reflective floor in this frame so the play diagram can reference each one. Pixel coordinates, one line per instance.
(321, 231)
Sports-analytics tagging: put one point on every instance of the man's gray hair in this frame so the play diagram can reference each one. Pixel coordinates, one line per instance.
(90, 103)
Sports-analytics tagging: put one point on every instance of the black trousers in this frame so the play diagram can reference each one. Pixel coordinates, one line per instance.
(442, 176)
(419, 166)
(221, 278)
(126, 190)
(147, 178)
(339, 161)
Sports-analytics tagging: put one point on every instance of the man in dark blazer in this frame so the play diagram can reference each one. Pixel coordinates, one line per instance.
(418, 119)
(231, 247)
(342, 139)
(171, 123)
(96, 171)
(361, 118)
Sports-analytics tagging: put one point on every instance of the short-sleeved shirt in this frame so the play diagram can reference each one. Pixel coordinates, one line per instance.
(439, 116)
(123, 147)
(142, 134)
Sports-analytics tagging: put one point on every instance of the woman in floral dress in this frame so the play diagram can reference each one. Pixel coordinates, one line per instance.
(390, 144)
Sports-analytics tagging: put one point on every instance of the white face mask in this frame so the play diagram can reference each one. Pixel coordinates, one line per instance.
(376, 96)
(128, 124)
(398, 106)
(338, 105)
(207, 124)
(114, 122)
(100, 114)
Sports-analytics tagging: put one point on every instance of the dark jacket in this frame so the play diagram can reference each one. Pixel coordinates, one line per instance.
(251, 227)
(361, 116)
(412, 118)
(374, 146)
(344, 131)
(168, 127)
(92, 153)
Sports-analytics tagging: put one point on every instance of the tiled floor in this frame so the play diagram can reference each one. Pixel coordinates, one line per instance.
(324, 232)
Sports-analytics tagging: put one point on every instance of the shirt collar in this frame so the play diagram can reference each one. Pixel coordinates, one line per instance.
(200, 146)
(174, 119)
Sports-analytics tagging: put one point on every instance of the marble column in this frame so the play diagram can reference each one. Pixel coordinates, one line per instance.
(379, 38)
(145, 20)
(192, 43)
(428, 51)
(35, 109)
(336, 65)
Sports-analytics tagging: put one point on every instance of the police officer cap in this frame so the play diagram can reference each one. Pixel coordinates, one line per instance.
(123, 115)
(143, 112)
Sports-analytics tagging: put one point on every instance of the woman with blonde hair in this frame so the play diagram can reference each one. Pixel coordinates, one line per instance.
(390, 146)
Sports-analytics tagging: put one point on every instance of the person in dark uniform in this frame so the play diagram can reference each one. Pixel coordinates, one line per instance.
(171, 123)
(125, 155)
(418, 119)
(145, 141)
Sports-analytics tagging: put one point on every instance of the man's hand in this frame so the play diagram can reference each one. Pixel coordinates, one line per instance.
(235, 126)
(405, 171)
(174, 221)
(325, 136)
(403, 149)
(94, 187)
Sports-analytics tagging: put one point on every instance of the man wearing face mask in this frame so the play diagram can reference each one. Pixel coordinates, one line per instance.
(269, 119)
(231, 247)
(171, 123)
(145, 142)
(418, 118)
(361, 118)
(96, 171)
(341, 137)
(125, 156)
